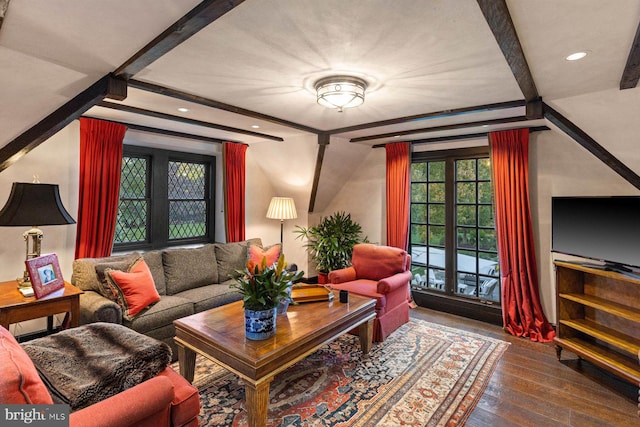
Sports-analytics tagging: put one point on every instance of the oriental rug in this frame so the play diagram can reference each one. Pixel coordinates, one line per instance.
(424, 374)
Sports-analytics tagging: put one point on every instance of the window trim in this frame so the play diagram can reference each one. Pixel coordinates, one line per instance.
(158, 212)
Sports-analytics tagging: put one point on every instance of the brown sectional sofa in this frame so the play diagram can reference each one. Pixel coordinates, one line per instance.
(189, 280)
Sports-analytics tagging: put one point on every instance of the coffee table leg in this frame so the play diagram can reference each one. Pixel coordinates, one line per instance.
(365, 331)
(257, 401)
(187, 362)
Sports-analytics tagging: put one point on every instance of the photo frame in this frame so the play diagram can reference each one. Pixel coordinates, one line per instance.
(45, 274)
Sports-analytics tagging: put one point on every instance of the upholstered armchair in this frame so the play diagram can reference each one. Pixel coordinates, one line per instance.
(110, 383)
(382, 273)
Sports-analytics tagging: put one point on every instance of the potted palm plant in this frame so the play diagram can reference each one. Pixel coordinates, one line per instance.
(263, 287)
(330, 243)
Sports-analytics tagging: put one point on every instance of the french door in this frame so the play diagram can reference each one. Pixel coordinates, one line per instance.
(453, 239)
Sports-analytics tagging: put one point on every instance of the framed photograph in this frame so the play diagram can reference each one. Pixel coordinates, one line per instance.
(45, 274)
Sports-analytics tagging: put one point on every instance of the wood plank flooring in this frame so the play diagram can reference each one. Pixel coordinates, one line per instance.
(530, 387)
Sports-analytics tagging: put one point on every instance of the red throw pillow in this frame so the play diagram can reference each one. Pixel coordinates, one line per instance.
(272, 253)
(134, 290)
(20, 383)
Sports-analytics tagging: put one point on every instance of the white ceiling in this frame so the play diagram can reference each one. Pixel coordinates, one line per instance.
(417, 57)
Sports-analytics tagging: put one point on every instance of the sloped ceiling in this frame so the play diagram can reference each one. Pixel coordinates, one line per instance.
(264, 56)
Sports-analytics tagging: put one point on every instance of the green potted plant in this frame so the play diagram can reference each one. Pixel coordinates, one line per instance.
(263, 287)
(330, 243)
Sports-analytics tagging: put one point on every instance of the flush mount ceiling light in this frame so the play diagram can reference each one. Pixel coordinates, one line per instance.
(340, 92)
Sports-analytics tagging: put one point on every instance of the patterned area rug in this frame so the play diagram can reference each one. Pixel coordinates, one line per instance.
(423, 375)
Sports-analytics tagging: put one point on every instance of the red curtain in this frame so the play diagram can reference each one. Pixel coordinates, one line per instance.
(234, 177)
(521, 309)
(398, 164)
(100, 163)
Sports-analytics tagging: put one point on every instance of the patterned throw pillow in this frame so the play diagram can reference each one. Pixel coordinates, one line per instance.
(255, 254)
(134, 289)
(101, 269)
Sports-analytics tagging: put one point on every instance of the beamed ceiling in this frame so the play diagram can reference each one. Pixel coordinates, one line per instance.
(435, 69)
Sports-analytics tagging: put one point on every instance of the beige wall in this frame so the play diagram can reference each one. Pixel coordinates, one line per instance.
(55, 162)
(560, 167)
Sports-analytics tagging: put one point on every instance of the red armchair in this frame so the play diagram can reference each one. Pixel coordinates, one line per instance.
(165, 400)
(382, 273)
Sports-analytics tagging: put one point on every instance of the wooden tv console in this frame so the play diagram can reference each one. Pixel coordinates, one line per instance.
(598, 318)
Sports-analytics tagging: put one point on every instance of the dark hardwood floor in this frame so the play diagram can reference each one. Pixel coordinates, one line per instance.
(530, 387)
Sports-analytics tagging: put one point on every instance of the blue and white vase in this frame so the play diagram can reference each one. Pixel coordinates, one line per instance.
(260, 324)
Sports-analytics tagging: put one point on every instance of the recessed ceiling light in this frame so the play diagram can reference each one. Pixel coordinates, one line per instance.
(576, 56)
(183, 110)
(255, 126)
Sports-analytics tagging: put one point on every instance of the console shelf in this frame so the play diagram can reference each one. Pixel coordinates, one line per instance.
(598, 318)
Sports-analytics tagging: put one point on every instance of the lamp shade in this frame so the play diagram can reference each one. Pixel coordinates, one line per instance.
(34, 205)
(282, 208)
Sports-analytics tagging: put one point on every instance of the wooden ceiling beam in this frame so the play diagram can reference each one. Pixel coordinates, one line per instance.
(496, 13)
(199, 17)
(435, 115)
(591, 145)
(323, 142)
(441, 128)
(158, 131)
(184, 96)
(631, 73)
(106, 87)
(461, 137)
(164, 116)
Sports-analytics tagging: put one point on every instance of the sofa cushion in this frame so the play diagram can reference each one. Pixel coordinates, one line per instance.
(84, 274)
(134, 289)
(365, 288)
(256, 253)
(377, 262)
(19, 379)
(188, 268)
(211, 296)
(162, 313)
(232, 257)
(154, 261)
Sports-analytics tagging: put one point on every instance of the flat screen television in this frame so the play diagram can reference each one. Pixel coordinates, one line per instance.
(605, 229)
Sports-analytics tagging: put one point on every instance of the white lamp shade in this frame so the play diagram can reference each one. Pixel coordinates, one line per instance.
(282, 208)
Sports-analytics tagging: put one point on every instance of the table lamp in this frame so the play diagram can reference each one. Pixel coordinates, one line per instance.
(33, 205)
(282, 208)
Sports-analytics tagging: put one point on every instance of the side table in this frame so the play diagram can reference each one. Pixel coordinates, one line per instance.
(15, 307)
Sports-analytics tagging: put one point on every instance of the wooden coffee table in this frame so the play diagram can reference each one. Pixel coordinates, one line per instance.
(218, 334)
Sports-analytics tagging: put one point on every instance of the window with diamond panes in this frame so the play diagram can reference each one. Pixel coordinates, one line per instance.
(133, 209)
(187, 202)
(165, 199)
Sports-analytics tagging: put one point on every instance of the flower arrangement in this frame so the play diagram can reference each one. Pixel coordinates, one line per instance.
(264, 286)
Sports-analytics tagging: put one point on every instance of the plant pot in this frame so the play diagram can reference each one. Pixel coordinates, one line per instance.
(284, 304)
(323, 278)
(259, 324)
